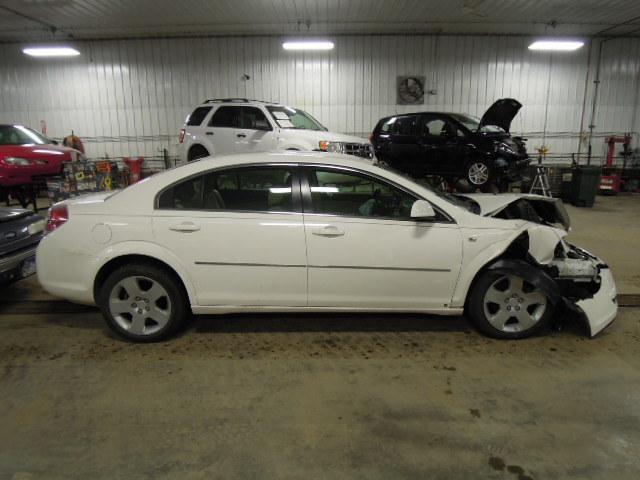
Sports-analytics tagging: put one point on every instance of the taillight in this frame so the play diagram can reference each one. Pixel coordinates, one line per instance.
(56, 217)
(371, 138)
(181, 136)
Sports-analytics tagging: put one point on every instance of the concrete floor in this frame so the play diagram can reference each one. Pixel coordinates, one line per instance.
(334, 396)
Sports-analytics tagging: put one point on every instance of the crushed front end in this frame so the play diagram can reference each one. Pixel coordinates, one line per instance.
(585, 284)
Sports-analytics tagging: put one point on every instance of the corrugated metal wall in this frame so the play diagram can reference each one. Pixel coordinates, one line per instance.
(129, 98)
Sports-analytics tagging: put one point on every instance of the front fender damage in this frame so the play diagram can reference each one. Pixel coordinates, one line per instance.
(569, 276)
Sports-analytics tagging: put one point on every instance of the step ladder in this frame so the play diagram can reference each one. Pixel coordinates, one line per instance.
(540, 183)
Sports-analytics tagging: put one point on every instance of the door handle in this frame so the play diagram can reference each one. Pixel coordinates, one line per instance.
(328, 231)
(185, 227)
(240, 135)
(209, 133)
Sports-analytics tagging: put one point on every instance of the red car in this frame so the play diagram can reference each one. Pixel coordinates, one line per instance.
(25, 156)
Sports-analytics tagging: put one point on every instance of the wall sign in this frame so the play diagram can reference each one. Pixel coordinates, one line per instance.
(410, 90)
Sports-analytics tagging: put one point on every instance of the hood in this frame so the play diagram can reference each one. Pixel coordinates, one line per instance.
(317, 136)
(48, 152)
(520, 206)
(501, 113)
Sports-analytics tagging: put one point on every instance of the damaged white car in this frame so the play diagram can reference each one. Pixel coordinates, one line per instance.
(316, 232)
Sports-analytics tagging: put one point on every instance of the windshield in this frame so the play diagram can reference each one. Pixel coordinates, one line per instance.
(458, 202)
(287, 117)
(473, 123)
(19, 135)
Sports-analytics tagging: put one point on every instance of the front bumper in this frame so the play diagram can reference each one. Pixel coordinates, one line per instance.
(11, 266)
(600, 310)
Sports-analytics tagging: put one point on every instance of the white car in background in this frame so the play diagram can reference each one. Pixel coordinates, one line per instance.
(224, 126)
(300, 232)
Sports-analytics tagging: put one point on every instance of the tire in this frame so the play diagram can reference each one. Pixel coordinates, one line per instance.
(508, 307)
(143, 303)
(197, 152)
(478, 173)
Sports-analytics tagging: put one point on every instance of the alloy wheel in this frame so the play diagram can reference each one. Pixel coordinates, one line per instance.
(512, 304)
(140, 305)
(478, 173)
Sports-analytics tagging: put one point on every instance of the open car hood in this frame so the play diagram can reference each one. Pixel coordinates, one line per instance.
(501, 113)
(511, 206)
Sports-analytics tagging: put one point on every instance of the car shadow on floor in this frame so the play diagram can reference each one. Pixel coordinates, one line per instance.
(326, 322)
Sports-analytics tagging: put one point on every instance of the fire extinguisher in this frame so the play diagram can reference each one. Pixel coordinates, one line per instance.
(135, 168)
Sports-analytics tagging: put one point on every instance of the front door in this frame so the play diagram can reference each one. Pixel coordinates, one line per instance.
(255, 133)
(364, 250)
(239, 233)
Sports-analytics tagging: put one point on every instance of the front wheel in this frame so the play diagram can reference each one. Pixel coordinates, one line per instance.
(478, 174)
(508, 306)
(143, 303)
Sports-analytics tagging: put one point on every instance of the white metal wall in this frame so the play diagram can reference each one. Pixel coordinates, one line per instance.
(129, 98)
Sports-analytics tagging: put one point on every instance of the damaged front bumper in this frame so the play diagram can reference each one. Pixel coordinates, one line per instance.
(587, 287)
(574, 279)
(600, 310)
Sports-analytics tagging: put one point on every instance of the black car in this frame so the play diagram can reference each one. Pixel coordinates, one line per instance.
(20, 232)
(454, 146)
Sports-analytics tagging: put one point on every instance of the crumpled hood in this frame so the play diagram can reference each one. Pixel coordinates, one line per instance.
(551, 210)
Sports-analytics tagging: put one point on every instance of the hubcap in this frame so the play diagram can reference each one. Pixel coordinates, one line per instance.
(140, 305)
(513, 305)
(478, 173)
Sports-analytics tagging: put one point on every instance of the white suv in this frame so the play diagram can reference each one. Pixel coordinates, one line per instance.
(237, 125)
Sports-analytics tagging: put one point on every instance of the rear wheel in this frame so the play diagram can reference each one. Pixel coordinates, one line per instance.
(143, 303)
(508, 306)
(197, 152)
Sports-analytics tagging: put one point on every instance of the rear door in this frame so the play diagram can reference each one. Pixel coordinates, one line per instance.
(221, 129)
(240, 234)
(403, 148)
(254, 132)
(443, 145)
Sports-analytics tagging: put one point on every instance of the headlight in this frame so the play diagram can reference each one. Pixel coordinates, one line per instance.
(17, 161)
(334, 147)
(503, 147)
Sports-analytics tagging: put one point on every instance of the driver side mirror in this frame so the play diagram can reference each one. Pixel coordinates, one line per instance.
(422, 210)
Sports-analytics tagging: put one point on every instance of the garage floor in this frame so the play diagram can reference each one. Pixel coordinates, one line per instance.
(330, 396)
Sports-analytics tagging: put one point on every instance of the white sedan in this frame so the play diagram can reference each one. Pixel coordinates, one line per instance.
(315, 232)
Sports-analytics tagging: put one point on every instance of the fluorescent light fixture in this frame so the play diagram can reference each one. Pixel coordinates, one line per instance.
(308, 45)
(556, 45)
(50, 51)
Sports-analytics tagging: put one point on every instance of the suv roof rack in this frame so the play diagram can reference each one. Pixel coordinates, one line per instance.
(226, 100)
(235, 100)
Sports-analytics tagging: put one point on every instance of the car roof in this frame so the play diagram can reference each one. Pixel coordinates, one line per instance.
(285, 156)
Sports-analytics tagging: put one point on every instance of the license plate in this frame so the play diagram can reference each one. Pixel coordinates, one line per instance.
(28, 267)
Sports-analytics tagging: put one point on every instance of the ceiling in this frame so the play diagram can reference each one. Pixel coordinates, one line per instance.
(45, 20)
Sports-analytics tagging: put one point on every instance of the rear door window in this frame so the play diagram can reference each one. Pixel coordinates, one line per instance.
(197, 116)
(255, 189)
(407, 125)
(226, 117)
